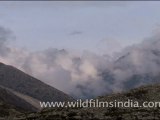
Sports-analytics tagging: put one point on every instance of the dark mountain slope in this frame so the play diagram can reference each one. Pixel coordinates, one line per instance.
(17, 80)
(10, 103)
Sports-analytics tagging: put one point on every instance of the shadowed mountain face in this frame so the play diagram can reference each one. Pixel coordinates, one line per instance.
(135, 67)
(23, 91)
(10, 103)
(144, 67)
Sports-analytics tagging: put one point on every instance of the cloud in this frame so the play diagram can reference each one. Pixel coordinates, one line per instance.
(108, 46)
(76, 32)
(87, 75)
(5, 35)
(138, 63)
(59, 68)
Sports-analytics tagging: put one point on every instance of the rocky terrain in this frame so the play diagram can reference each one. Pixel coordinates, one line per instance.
(10, 104)
(144, 93)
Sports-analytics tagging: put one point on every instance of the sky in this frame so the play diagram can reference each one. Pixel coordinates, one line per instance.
(101, 27)
(72, 45)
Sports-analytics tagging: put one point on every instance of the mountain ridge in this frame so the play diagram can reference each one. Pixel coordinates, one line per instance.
(22, 93)
(11, 77)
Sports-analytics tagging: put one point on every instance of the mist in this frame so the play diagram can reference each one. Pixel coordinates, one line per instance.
(86, 75)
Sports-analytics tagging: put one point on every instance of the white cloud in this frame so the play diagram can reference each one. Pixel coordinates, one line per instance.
(81, 74)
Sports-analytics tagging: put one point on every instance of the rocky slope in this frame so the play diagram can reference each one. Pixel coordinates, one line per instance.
(12, 104)
(145, 93)
(17, 80)
(22, 92)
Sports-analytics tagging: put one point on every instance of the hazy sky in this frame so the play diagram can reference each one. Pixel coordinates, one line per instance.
(101, 27)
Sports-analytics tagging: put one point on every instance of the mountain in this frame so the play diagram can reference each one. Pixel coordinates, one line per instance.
(148, 93)
(10, 103)
(141, 66)
(23, 92)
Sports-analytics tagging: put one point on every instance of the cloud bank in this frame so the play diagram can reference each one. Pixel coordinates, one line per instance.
(87, 75)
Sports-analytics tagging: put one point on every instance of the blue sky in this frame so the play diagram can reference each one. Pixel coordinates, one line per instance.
(100, 27)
